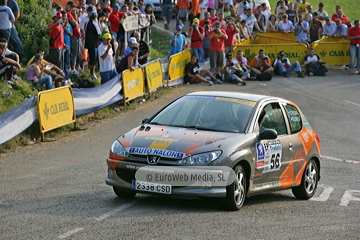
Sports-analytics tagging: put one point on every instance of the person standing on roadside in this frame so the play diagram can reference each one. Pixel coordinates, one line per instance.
(354, 37)
(106, 59)
(56, 43)
(196, 34)
(217, 39)
(166, 11)
(14, 36)
(7, 19)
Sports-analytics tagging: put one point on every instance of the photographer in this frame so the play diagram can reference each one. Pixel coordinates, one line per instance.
(282, 64)
(230, 30)
(314, 64)
(217, 39)
(261, 63)
(233, 71)
(301, 29)
(196, 34)
(177, 41)
(206, 41)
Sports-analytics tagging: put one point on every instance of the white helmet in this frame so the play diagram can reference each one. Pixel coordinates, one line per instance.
(208, 116)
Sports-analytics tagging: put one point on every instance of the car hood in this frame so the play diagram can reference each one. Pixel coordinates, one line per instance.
(174, 142)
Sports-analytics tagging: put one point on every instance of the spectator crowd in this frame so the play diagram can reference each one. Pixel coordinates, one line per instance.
(92, 33)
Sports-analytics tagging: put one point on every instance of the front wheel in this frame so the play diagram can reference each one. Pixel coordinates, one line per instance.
(236, 192)
(123, 193)
(309, 182)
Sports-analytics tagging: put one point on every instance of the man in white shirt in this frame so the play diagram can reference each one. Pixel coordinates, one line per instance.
(321, 13)
(106, 59)
(329, 27)
(250, 19)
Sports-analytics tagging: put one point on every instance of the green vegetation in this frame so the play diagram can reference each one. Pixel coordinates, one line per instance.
(329, 6)
(160, 46)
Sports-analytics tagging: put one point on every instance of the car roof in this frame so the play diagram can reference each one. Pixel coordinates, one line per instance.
(239, 95)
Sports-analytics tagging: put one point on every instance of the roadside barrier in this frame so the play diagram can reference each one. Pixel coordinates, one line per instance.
(263, 39)
(55, 109)
(133, 84)
(290, 36)
(154, 75)
(333, 51)
(176, 68)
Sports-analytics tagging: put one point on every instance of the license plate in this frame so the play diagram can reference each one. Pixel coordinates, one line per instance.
(151, 187)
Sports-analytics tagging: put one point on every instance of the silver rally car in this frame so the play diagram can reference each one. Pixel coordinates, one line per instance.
(185, 149)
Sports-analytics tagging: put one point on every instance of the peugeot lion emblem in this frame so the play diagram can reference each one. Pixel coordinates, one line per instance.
(153, 159)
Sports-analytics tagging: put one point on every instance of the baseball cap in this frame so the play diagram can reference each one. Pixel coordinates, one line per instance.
(228, 55)
(196, 20)
(132, 40)
(178, 27)
(93, 13)
(107, 36)
(116, 6)
(246, 8)
(327, 18)
(217, 23)
(70, 3)
(58, 14)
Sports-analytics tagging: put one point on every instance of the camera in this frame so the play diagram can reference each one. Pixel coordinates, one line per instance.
(265, 58)
(193, 25)
(231, 64)
(284, 60)
(61, 21)
(216, 30)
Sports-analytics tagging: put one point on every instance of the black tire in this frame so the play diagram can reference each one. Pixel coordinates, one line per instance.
(120, 192)
(236, 191)
(309, 182)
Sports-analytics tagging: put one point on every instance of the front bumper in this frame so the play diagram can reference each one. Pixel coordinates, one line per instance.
(124, 173)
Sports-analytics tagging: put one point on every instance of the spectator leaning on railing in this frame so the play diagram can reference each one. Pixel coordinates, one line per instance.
(301, 29)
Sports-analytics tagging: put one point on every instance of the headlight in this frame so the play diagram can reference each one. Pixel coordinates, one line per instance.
(118, 149)
(201, 158)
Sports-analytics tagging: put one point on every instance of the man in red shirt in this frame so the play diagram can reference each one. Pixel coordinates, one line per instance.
(116, 18)
(354, 37)
(206, 15)
(196, 34)
(75, 38)
(230, 30)
(56, 43)
(217, 39)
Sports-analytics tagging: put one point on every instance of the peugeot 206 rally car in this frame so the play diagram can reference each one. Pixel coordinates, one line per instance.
(266, 142)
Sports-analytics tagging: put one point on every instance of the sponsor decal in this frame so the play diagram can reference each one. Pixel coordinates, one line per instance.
(236, 100)
(161, 142)
(306, 140)
(156, 152)
(266, 185)
(306, 123)
(257, 174)
(269, 156)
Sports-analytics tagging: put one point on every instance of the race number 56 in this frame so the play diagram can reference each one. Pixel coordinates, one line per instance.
(275, 161)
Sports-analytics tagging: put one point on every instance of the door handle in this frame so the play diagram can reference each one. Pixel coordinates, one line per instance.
(290, 146)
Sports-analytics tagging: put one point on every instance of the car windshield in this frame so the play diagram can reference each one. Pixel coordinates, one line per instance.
(207, 113)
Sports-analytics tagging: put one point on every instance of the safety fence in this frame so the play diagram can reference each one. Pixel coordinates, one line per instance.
(159, 73)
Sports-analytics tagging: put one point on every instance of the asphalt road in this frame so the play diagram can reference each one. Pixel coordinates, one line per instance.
(57, 190)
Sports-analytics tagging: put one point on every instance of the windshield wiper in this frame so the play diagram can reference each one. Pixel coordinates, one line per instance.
(202, 128)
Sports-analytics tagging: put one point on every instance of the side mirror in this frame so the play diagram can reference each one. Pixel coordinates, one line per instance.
(268, 134)
(145, 120)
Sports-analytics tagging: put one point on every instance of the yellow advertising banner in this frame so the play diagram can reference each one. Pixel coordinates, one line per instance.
(55, 108)
(154, 75)
(290, 36)
(133, 84)
(261, 39)
(333, 53)
(177, 63)
(295, 52)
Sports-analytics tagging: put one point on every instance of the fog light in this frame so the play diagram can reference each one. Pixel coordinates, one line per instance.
(206, 184)
(110, 173)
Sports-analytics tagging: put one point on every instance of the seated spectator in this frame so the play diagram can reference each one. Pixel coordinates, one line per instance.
(194, 75)
(6, 66)
(132, 43)
(340, 30)
(12, 55)
(50, 69)
(284, 67)
(244, 63)
(341, 16)
(285, 25)
(329, 27)
(129, 62)
(233, 71)
(301, 29)
(281, 10)
(106, 59)
(314, 65)
(272, 24)
(261, 63)
(35, 73)
(292, 14)
(177, 41)
(144, 49)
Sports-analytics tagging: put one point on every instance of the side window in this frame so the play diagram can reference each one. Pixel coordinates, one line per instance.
(272, 117)
(294, 118)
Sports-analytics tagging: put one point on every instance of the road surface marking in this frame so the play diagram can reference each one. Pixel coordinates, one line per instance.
(122, 207)
(349, 196)
(69, 233)
(341, 160)
(325, 195)
(352, 103)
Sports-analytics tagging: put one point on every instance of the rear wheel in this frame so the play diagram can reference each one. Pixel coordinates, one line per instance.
(120, 192)
(309, 182)
(236, 192)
